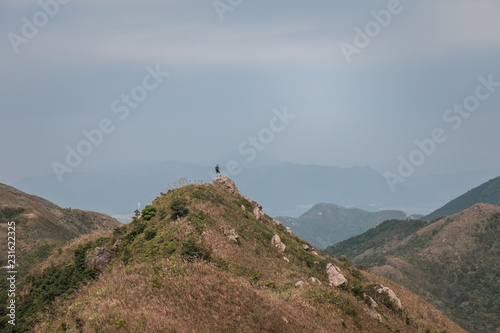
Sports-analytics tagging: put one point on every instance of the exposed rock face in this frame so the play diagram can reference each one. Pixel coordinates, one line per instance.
(287, 229)
(334, 276)
(300, 284)
(277, 223)
(371, 301)
(374, 314)
(315, 281)
(276, 241)
(233, 237)
(227, 185)
(392, 296)
(100, 259)
(258, 213)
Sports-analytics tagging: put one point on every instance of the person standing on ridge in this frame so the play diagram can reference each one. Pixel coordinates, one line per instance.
(217, 171)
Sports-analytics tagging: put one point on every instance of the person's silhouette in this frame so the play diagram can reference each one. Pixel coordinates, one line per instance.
(217, 171)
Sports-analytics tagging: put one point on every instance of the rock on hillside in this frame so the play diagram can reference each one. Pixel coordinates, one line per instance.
(199, 262)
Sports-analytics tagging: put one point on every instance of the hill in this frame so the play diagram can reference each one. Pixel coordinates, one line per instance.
(488, 192)
(326, 224)
(203, 258)
(40, 222)
(452, 262)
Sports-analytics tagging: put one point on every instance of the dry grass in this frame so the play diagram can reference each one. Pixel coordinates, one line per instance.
(245, 287)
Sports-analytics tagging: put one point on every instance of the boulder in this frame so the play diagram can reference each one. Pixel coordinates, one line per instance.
(227, 185)
(392, 296)
(233, 237)
(258, 213)
(286, 259)
(306, 247)
(300, 284)
(99, 259)
(334, 276)
(371, 302)
(315, 281)
(277, 223)
(287, 229)
(374, 314)
(276, 241)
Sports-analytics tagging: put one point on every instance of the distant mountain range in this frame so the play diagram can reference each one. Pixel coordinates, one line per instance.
(40, 221)
(327, 224)
(283, 189)
(488, 192)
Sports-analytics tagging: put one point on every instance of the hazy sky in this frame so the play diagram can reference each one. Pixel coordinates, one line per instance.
(363, 80)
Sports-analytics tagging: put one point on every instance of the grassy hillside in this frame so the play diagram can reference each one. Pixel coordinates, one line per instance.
(452, 262)
(488, 192)
(326, 224)
(39, 221)
(202, 259)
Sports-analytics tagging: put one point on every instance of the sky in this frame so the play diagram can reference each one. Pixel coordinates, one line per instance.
(342, 83)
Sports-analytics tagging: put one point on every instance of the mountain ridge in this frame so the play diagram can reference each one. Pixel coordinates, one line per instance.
(207, 259)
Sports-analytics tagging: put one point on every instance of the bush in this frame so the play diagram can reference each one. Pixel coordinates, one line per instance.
(148, 212)
(179, 208)
(150, 234)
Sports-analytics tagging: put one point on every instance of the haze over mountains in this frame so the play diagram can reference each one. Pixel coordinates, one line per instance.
(283, 189)
(327, 224)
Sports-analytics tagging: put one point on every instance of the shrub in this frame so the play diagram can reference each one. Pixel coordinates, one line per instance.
(148, 212)
(179, 208)
(150, 234)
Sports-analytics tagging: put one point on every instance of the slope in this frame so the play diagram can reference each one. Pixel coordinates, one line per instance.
(452, 262)
(488, 192)
(326, 224)
(203, 258)
(40, 221)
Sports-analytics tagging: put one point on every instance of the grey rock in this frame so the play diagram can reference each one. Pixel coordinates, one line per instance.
(276, 241)
(100, 259)
(334, 276)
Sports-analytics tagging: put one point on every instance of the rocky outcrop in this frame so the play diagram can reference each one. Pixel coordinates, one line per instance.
(374, 314)
(227, 185)
(99, 259)
(258, 213)
(393, 299)
(276, 241)
(334, 276)
(233, 237)
(287, 229)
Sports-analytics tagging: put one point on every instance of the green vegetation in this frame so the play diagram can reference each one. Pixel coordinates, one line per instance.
(148, 212)
(8, 214)
(179, 208)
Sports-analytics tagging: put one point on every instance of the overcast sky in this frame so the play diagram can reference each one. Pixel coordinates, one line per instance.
(357, 99)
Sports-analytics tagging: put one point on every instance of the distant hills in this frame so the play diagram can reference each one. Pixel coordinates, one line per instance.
(488, 192)
(283, 189)
(327, 224)
(452, 262)
(40, 221)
